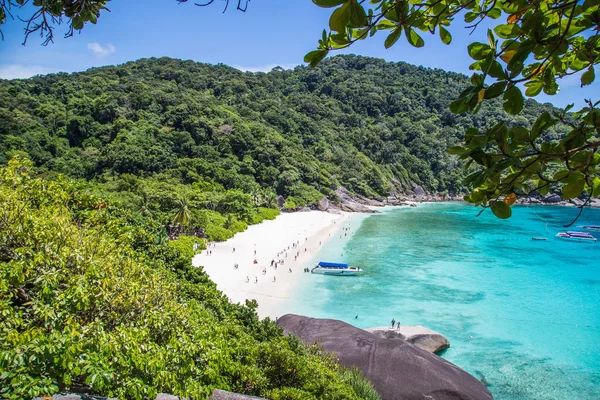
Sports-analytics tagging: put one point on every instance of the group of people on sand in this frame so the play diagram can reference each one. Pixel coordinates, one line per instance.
(280, 258)
(395, 323)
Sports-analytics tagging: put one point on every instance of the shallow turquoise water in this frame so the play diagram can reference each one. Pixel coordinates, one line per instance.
(521, 315)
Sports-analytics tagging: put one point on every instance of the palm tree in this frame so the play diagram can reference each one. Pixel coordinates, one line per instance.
(183, 216)
(143, 205)
(256, 198)
(270, 199)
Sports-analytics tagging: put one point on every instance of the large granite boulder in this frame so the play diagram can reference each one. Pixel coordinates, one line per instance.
(280, 201)
(418, 190)
(552, 198)
(397, 369)
(323, 204)
(349, 203)
(423, 338)
(223, 395)
(356, 207)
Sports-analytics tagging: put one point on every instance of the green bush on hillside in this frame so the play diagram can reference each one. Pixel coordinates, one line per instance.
(88, 300)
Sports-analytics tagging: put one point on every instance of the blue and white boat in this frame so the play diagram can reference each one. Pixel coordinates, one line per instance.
(576, 235)
(329, 268)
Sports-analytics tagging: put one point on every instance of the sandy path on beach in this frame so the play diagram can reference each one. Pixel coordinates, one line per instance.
(262, 242)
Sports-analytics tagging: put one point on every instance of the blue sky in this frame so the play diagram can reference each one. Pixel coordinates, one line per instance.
(270, 33)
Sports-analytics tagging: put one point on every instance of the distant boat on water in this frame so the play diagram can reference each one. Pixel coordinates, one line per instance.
(538, 238)
(576, 235)
(590, 227)
(339, 269)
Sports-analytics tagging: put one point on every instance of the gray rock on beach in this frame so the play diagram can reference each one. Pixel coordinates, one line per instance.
(397, 369)
(323, 204)
(223, 395)
(280, 201)
(418, 190)
(349, 203)
(552, 198)
(423, 338)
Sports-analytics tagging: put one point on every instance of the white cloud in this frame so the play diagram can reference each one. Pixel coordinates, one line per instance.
(264, 68)
(101, 51)
(18, 71)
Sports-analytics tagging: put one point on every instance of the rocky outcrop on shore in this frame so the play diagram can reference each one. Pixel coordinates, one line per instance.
(555, 200)
(350, 202)
(419, 336)
(396, 368)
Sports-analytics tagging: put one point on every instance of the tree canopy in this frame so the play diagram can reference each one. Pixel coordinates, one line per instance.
(157, 131)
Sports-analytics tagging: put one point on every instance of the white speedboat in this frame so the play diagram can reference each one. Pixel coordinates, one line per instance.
(577, 236)
(340, 269)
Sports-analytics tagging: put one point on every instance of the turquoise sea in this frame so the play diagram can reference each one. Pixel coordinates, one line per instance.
(523, 316)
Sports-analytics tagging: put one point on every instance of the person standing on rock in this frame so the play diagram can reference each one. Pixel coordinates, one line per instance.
(393, 322)
(398, 325)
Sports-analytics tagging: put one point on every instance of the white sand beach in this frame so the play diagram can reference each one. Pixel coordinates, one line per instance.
(266, 242)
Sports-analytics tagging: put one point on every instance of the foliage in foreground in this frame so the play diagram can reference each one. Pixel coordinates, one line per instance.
(92, 299)
(541, 42)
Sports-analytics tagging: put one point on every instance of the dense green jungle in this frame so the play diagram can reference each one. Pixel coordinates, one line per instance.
(162, 136)
(94, 297)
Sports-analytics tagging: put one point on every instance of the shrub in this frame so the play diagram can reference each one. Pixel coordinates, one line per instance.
(185, 245)
(289, 204)
(268, 213)
(217, 233)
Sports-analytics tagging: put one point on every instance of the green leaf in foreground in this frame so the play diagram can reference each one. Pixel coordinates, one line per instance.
(588, 76)
(573, 190)
(501, 209)
(315, 57)
(393, 37)
(340, 18)
(513, 100)
(328, 3)
(445, 35)
(414, 38)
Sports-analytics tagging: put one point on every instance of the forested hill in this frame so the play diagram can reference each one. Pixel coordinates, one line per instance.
(369, 125)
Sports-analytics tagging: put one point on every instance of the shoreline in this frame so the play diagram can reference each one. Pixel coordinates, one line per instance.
(267, 242)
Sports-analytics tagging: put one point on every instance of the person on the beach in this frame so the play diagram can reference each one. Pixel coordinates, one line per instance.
(255, 262)
(393, 322)
(233, 250)
(254, 252)
(274, 278)
(398, 325)
(289, 269)
(247, 279)
(255, 279)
